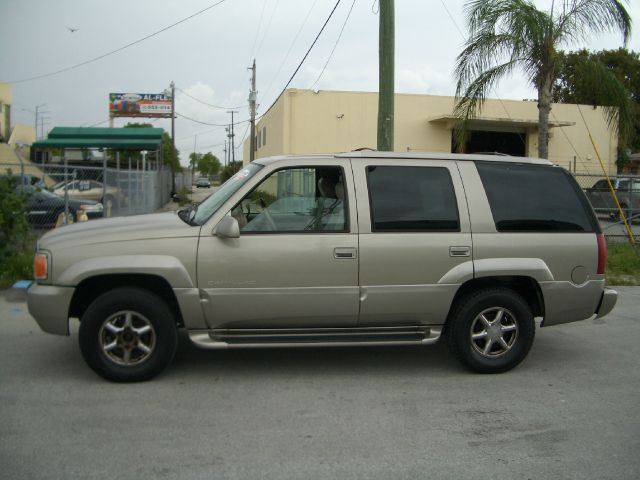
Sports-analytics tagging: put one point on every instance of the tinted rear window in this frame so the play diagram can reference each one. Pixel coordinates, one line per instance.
(405, 199)
(535, 198)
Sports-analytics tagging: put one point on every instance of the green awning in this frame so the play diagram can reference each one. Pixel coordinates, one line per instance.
(114, 138)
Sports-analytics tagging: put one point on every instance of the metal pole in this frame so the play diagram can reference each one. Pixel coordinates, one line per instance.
(233, 149)
(66, 187)
(252, 107)
(118, 179)
(173, 134)
(386, 76)
(106, 212)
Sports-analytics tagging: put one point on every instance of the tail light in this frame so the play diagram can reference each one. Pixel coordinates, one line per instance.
(602, 253)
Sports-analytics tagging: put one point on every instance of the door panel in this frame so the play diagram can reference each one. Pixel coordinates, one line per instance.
(295, 264)
(403, 273)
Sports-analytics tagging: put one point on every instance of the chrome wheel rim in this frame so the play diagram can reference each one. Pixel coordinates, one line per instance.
(127, 338)
(493, 332)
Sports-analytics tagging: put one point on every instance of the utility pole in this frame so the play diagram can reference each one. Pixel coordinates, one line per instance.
(232, 135)
(386, 61)
(252, 109)
(225, 152)
(173, 134)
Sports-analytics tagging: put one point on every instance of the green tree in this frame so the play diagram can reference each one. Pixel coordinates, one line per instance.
(15, 257)
(170, 155)
(506, 35)
(230, 170)
(208, 164)
(573, 86)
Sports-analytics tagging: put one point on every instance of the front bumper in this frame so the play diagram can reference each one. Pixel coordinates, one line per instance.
(49, 305)
(607, 302)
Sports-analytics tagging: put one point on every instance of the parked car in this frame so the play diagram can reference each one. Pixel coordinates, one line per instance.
(362, 248)
(203, 182)
(46, 210)
(627, 190)
(89, 189)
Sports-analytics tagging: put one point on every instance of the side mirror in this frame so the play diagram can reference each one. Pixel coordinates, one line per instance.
(227, 228)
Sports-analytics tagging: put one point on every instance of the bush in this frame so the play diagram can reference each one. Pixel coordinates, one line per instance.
(228, 171)
(15, 234)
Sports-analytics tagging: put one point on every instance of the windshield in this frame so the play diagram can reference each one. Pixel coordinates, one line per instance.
(209, 206)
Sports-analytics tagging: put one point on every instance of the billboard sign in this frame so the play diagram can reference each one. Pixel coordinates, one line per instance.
(139, 105)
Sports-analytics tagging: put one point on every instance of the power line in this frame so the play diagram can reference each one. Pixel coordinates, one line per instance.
(255, 40)
(334, 46)
(268, 90)
(304, 58)
(208, 104)
(210, 124)
(77, 65)
(268, 26)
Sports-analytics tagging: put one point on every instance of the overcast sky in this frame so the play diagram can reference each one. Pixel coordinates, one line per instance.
(207, 56)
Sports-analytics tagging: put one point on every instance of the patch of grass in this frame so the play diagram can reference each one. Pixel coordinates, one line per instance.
(623, 264)
(17, 267)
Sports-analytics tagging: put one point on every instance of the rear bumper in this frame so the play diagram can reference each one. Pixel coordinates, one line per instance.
(607, 302)
(49, 305)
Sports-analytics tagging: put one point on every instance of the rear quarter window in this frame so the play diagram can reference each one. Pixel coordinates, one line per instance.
(535, 198)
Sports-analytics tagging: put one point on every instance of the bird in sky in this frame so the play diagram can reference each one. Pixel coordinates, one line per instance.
(72, 30)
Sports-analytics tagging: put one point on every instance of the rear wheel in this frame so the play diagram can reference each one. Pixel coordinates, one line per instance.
(491, 330)
(128, 335)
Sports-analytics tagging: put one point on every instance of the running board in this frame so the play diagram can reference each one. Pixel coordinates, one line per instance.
(314, 337)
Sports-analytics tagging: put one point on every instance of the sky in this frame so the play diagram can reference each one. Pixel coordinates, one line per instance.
(208, 56)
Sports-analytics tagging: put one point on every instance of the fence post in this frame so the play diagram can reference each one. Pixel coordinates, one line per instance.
(66, 188)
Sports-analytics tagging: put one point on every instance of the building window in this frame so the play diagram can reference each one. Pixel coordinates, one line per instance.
(264, 136)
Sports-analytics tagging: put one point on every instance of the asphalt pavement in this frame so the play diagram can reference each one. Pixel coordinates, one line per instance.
(570, 411)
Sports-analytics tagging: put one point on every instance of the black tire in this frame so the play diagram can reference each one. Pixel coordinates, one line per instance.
(478, 314)
(141, 309)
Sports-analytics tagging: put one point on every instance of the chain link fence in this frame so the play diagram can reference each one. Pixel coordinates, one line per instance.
(627, 188)
(57, 195)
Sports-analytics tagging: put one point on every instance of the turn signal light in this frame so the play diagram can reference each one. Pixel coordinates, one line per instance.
(40, 266)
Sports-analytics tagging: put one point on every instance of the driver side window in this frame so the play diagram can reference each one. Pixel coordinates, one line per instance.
(295, 200)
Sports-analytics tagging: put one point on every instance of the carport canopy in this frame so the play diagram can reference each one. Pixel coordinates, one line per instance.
(145, 138)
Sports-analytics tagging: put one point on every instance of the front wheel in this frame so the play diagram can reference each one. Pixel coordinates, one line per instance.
(491, 330)
(128, 335)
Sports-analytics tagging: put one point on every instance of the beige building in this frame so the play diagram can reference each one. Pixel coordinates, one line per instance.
(305, 121)
(6, 100)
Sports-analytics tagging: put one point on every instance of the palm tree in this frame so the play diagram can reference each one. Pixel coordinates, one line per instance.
(506, 35)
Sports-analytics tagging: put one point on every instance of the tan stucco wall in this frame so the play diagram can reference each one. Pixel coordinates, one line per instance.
(304, 121)
(6, 99)
(22, 134)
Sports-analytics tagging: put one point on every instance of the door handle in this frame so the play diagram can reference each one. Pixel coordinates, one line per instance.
(345, 252)
(459, 251)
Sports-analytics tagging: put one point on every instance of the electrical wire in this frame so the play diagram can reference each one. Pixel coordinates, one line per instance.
(303, 58)
(266, 31)
(210, 124)
(255, 40)
(295, 39)
(112, 52)
(208, 104)
(334, 46)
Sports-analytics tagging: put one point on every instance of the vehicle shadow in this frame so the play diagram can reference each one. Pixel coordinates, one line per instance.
(195, 361)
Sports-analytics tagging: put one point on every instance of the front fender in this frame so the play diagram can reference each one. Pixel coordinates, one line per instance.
(165, 266)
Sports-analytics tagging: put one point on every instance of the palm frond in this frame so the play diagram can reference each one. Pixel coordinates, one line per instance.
(586, 17)
(612, 95)
(469, 103)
